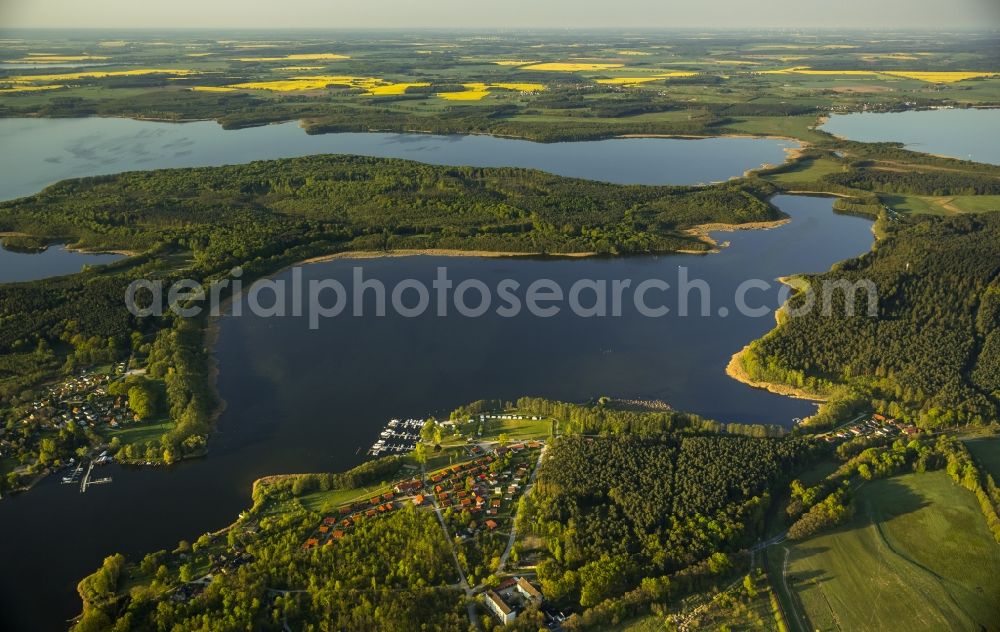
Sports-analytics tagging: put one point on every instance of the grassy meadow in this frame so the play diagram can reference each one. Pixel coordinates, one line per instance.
(916, 556)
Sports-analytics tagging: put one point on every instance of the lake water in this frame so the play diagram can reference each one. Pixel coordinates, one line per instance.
(38, 152)
(970, 134)
(54, 261)
(301, 400)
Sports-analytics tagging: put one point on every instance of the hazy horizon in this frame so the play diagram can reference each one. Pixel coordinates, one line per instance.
(511, 15)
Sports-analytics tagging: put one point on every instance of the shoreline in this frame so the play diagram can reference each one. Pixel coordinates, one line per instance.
(804, 143)
(72, 247)
(702, 231)
(699, 231)
(211, 336)
(435, 252)
(87, 251)
(735, 370)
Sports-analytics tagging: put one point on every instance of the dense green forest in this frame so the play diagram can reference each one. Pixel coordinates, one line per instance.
(228, 215)
(930, 354)
(614, 510)
(922, 183)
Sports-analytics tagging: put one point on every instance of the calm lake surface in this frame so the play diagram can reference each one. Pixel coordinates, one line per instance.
(38, 152)
(301, 400)
(54, 261)
(970, 134)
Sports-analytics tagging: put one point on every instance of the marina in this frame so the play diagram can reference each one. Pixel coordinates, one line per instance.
(399, 435)
(75, 475)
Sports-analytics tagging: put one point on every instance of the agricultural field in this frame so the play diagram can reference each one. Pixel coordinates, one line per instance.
(943, 205)
(807, 171)
(916, 555)
(544, 88)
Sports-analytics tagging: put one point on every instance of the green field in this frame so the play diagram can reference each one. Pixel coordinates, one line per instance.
(944, 205)
(141, 433)
(794, 126)
(916, 556)
(806, 172)
(324, 502)
(520, 430)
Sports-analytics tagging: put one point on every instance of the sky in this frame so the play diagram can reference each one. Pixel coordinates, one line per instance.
(500, 14)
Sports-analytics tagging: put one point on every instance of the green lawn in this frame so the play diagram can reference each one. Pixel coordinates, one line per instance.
(793, 126)
(520, 429)
(976, 203)
(325, 502)
(916, 556)
(986, 452)
(943, 205)
(807, 172)
(140, 433)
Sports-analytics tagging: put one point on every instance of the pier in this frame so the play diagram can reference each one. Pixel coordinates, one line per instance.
(87, 482)
(399, 435)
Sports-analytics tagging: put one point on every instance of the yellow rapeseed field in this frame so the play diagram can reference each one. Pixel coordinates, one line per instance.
(300, 68)
(939, 77)
(43, 58)
(520, 87)
(628, 81)
(928, 76)
(29, 88)
(299, 57)
(514, 62)
(317, 82)
(395, 88)
(477, 90)
(570, 67)
(631, 81)
(213, 89)
(100, 74)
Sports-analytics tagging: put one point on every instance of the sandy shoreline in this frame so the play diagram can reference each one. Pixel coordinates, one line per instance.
(736, 371)
(124, 253)
(438, 252)
(701, 231)
(704, 136)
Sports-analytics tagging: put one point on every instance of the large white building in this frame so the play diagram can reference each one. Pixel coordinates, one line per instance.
(499, 607)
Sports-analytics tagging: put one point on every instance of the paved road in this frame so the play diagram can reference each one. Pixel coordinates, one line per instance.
(463, 582)
(513, 528)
